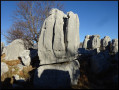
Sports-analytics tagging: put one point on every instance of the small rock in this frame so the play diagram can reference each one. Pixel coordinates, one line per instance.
(19, 78)
(25, 57)
(20, 66)
(13, 69)
(4, 68)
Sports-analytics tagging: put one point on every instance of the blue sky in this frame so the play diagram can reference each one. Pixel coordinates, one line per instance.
(96, 17)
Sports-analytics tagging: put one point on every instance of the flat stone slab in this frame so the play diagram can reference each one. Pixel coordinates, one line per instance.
(57, 75)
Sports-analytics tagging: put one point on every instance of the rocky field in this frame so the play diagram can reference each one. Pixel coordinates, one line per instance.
(59, 60)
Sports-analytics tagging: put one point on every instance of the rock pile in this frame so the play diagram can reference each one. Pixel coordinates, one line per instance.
(102, 57)
(92, 42)
(25, 57)
(57, 49)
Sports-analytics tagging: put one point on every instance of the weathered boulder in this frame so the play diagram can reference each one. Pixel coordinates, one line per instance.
(13, 50)
(99, 63)
(115, 45)
(28, 44)
(25, 57)
(95, 41)
(4, 50)
(59, 39)
(105, 42)
(57, 75)
(92, 42)
(18, 78)
(85, 42)
(4, 68)
(2, 47)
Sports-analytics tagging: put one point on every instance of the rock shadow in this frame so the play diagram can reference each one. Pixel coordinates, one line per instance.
(52, 79)
(34, 57)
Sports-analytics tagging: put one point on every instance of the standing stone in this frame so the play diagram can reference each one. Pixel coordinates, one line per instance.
(57, 75)
(95, 41)
(2, 47)
(92, 42)
(105, 42)
(25, 57)
(4, 68)
(59, 39)
(85, 43)
(72, 33)
(115, 45)
(14, 49)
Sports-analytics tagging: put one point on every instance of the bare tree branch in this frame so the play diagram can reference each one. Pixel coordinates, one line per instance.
(28, 19)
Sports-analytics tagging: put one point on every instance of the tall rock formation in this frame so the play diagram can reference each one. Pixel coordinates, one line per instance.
(57, 50)
(91, 42)
(114, 45)
(105, 42)
(59, 39)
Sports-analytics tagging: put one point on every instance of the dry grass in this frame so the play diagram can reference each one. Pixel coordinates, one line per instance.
(13, 62)
(13, 65)
(25, 72)
(2, 56)
(10, 63)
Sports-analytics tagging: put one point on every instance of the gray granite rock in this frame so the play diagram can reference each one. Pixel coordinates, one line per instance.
(59, 39)
(25, 57)
(95, 41)
(13, 50)
(114, 45)
(57, 75)
(4, 68)
(17, 77)
(85, 42)
(92, 42)
(105, 42)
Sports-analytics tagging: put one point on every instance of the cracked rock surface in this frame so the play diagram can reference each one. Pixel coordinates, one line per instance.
(59, 39)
